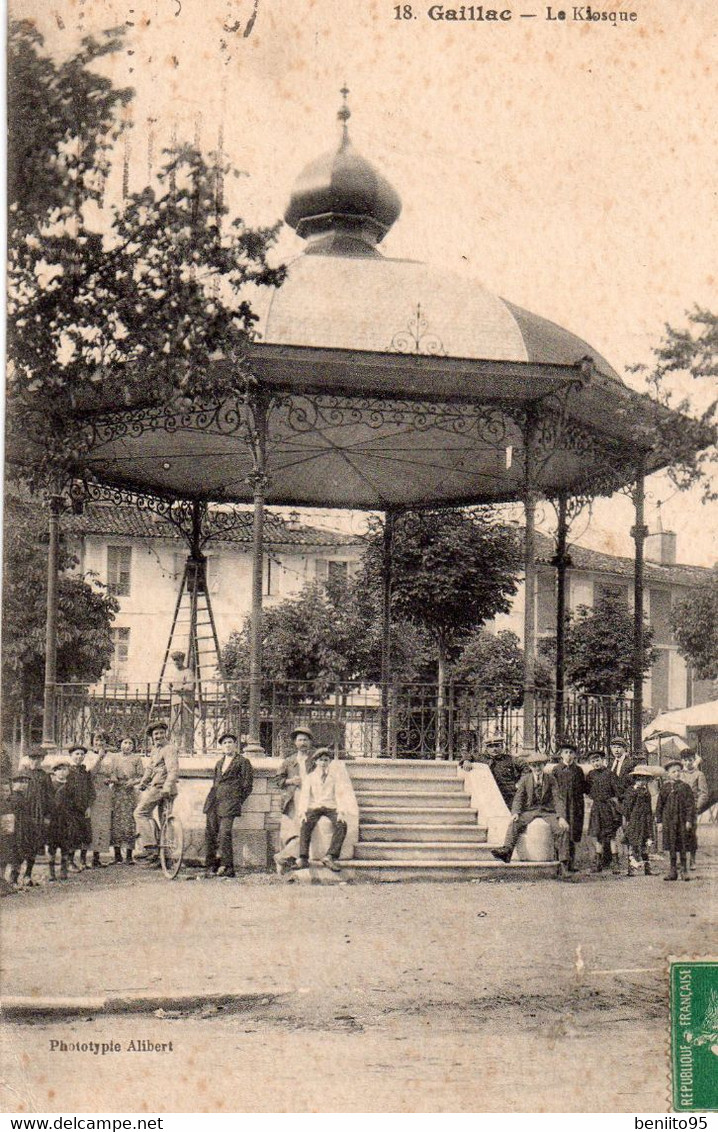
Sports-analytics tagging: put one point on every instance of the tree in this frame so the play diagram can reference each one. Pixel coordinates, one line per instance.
(452, 571)
(495, 662)
(325, 635)
(691, 353)
(85, 615)
(64, 119)
(149, 305)
(599, 648)
(695, 624)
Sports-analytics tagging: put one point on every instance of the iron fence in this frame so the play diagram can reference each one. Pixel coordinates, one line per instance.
(399, 721)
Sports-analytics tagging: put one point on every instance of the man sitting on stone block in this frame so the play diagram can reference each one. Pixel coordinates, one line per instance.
(233, 779)
(325, 793)
(537, 796)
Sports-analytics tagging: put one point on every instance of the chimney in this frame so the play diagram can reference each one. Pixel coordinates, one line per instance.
(661, 545)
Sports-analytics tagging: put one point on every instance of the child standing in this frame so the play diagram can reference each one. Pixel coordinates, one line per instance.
(64, 831)
(676, 815)
(694, 776)
(605, 820)
(80, 794)
(638, 815)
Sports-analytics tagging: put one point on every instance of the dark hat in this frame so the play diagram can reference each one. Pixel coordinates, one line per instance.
(617, 741)
(323, 753)
(77, 747)
(596, 754)
(227, 735)
(302, 731)
(567, 746)
(672, 762)
(21, 776)
(157, 725)
(36, 753)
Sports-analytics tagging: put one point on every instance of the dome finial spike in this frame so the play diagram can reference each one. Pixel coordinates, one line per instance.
(344, 113)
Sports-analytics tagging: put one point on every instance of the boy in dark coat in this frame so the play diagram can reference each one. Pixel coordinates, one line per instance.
(233, 777)
(571, 787)
(604, 823)
(80, 794)
(23, 838)
(64, 832)
(638, 816)
(676, 815)
(39, 796)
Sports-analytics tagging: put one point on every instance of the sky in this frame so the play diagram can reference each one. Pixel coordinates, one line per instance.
(566, 165)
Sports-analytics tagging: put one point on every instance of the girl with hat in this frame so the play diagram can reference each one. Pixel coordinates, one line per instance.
(293, 771)
(125, 773)
(638, 815)
(676, 815)
(23, 839)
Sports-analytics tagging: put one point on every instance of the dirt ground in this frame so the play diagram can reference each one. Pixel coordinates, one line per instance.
(457, 997)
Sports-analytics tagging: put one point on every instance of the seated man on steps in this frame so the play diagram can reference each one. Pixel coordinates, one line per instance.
(537, 796)
(322, 794)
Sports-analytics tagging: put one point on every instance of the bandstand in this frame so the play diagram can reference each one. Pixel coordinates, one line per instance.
(384, 384)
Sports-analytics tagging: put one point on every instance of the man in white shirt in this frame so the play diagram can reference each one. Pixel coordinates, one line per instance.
(322, 796)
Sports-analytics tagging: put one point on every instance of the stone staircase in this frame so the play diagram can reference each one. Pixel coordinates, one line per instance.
(416, 823)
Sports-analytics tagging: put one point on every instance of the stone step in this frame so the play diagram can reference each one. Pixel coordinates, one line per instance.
(445, 870)
(400, 768)
(419, 784)
(418, 832)
(421, 798)
(419, 851)
(433, 815)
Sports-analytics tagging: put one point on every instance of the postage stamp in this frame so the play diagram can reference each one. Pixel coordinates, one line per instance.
(694, 1035)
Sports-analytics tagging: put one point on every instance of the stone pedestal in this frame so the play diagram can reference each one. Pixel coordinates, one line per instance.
(250, 848)
(536, 843)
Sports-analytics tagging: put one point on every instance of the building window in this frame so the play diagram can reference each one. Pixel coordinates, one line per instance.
(119, 665)
(119, 561)
(332, 570)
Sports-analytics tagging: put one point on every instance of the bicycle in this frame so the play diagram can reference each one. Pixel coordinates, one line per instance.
(169, 838)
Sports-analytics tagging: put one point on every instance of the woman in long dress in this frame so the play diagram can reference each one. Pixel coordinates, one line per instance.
(126, 772)
(101, 810)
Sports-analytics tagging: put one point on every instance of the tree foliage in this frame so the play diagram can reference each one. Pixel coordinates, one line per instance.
(324, 635)
(599, 648)
(147, 306)
(695, 625)
(64, 119)
(496, 661)
(691, 352)
(85, 613)
(452, 571)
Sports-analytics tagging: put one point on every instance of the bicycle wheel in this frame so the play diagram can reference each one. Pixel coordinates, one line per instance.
(171, 846)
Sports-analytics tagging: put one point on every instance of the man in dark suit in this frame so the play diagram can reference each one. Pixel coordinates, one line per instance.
(572, 787)
(232, 785)
(537, 796)
(621, 765)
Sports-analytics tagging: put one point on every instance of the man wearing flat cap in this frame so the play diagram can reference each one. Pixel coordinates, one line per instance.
(325, 793)
(507, 770)
(537, 796)
(621, 764)
(232, 785)
(157, 783)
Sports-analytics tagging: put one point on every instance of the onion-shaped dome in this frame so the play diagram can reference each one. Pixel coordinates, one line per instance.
(340, 203)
